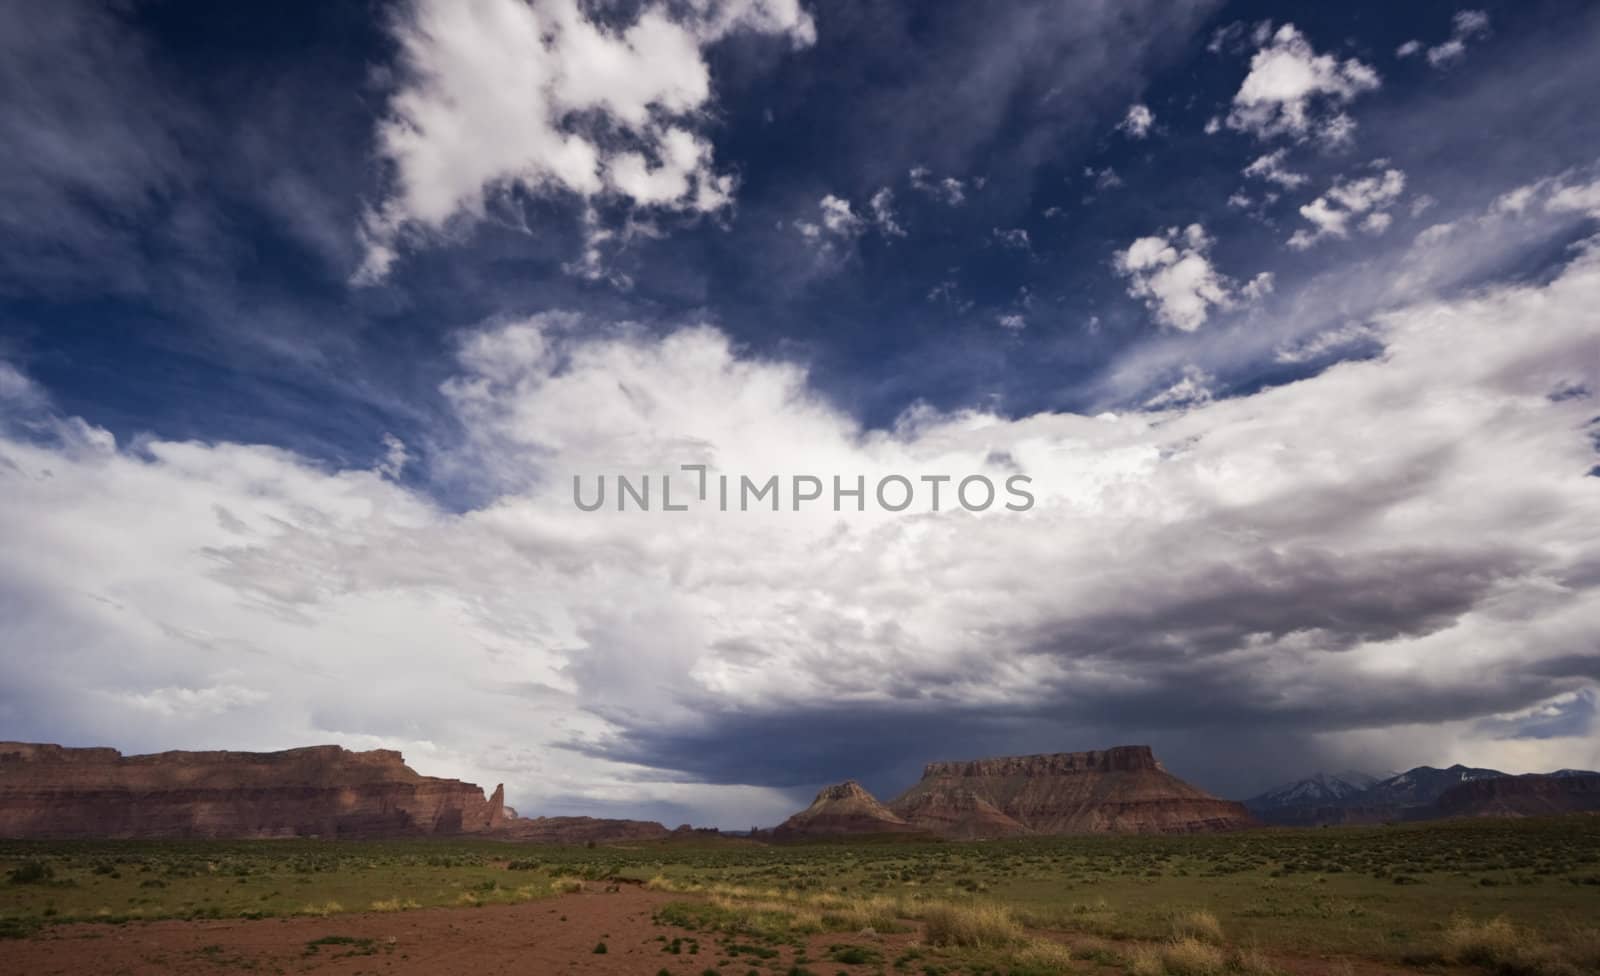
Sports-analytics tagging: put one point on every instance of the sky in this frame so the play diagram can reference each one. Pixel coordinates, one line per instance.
(312, 313)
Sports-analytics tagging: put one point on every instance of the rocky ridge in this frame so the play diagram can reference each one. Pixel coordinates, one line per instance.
(1532, 795)
(842, 809)
(319, 791)
(1426, 793)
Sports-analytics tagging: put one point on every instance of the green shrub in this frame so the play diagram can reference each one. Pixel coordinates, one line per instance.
(31, 872)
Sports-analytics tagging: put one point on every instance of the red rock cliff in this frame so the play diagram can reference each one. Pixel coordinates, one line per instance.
(320, 791)
(1118, 790)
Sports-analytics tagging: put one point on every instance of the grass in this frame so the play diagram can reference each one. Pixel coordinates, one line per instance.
(1199, 925)
(1497, 946)
(1508, 898)
(978, 925)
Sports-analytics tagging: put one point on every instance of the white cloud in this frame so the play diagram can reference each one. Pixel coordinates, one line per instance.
(883, 214)
(534, 94)
(1447, 52)
(191, 702)
(1272, 169)
(1326, 343)
(1293, 91)
(1332, 213)
(1259, 287)
(839, 219)
(1104, 178)
(1172, 272)
(1576, 198)
(1569, 192)
(1408, 49)
(1012, 238)
(1260, 556)
(1193, 389)
(1470, 23)
(949, 189)
(837, 223)
(1012, 322)
(1465, 25)
(395, 457)
(14, 386)
(1138, 121)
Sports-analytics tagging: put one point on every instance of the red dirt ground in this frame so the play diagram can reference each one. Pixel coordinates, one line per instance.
(549, 936)
(542, 937)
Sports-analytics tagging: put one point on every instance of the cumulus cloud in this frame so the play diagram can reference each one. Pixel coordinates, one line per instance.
(1576, 198)
(1137, 123)
(537, 95)
(1293, 91)
(1333, 213)
(1259, 287)
(1248, 561)
(838, 223)
(1173, 273)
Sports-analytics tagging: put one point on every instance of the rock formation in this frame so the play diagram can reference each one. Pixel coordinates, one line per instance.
(1533, 795)
(844, 809)
(1118, 790)
(320, 791)
(579, 830)
(958, 813)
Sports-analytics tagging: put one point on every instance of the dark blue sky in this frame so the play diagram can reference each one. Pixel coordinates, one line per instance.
(208, 293)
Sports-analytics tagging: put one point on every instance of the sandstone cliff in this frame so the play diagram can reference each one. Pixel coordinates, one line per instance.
(320, 791)
(1118, 790)
(958, 813)
(843, 809)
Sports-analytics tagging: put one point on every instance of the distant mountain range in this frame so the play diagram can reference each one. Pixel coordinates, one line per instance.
(1424, 793)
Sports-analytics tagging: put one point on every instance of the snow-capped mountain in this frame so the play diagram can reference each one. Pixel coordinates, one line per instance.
(1422, 785)
(1321, 789)
(1355, 798)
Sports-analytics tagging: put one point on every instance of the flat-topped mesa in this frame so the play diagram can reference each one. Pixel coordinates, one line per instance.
(1118, 790)
(579, 830)
(318, 791)
(1115, 759)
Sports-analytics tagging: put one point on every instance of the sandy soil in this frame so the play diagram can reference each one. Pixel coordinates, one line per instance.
(550, 936)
